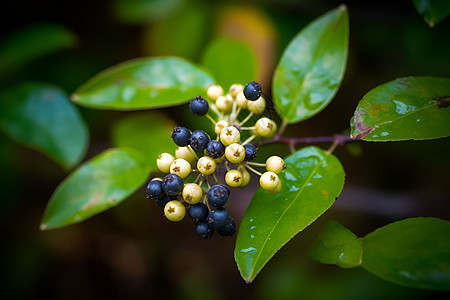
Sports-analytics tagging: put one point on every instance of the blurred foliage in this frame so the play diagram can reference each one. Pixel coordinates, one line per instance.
(433, 11)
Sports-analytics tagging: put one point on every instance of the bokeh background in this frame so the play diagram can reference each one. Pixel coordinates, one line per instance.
(132, 251)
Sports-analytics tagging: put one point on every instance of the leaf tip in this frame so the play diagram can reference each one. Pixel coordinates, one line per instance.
(43, 227)
(74, 97)
(343, 7)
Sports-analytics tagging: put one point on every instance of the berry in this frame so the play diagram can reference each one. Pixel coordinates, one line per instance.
(180, 136)
(277, 189)
(241, 101)
(215, 149)
(185, 153)
(269, 181)
(265, 127)
(198, 140)
(257, 107)
(235, 153)
(225, 103)
(219, 217)
(220, 126)
(172, 184)
(199, 106)
(245, 176)
(164, 161)
(204, 230)
(252, 91)
(198, 212)
(233, 178)
(174, 211)
(206, 165)
(275, 164)
(230, 135)
(235, 89)
(250, 152)
(163, 201)
(181, 167)
(227, 230)
(214, 92)
(155, 190)
(218, 195)
(192, 193)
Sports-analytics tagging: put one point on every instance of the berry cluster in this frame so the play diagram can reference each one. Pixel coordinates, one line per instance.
(198, 154)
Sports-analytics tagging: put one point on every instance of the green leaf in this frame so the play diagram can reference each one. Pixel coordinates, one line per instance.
(406, 108)
(30, 43)
(142, 11)
(148, 133)
(433, 11)
(311, 181)
(230, 61)
(312, 67)
(413, 252)
(97, 185)
(42, 117)
(144, 83)
(337, 245)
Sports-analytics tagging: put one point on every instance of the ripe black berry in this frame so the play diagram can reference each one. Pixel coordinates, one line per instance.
(154, 190)
(180, 136)
(172, 184)
(199, 106)
(215, 149)
(250, 152)
(198, 140)
(252, 91)
(204, 230)
(198, 212)
(219, 217)
(218, 195)
(163, 201)
(228, 229)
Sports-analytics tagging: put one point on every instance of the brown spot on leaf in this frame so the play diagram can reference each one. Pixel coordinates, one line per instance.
(443, 101)
(377, 108)
(336, 26)
(325, 193)
(95, 200)
(405, 82)
(363, 129)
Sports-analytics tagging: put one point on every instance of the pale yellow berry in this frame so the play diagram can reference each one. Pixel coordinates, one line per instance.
(275, 164)
(277, 189)
(157, 178)
(230, 135)
(235, 89)
(220, 126)
(192, 193)
(174, 211)
(245, 176)
(269, 180)
(235, 153)
(241, 101)
(164, 161)
(186, 154)
(214, 92)
(257, 107)
(181, 167)
(206, 165)
(265, 127)
(224, 104)
(233, 178)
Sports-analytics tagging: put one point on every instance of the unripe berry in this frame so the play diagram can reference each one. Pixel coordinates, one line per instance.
(257, 107)
(164, 161)
(269, 181)
(206, 165)
(181, 167)
(252, 90)
(220, 126)
(192, 193)
(172, 184)
(235, 89)
(199, 106)
(180, 136)
(204, 230)
(233, 178)
(185, 153)
(277, 189)
(265, 127)
(215, 149)
(230, 135)
(214, 92)
(235, 153)
(228, 229)
(250, 152)
(241, 101)
(245, 176)
(198, 140)
(198, 212)
(224, 104)
(275, 164)
(174, 211)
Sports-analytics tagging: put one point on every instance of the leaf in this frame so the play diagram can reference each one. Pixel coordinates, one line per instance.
(30, 43)
(337, 245)
(413, 252)
(311, 181)
(142, 11)
(144, 83)
(312, 67)
(406, 108)
(230, 61)
(41, 116)
(97, 185)
(433, 11)
(148, 133)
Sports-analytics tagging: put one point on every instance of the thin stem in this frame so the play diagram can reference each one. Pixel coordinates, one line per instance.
(255, 164)
(214, 109)
(233, 112)
(246, 119)
(211, 119)
(292, 148)
(192, 151)
(247, 128)
(282, 128)
(215, 179)
(227, 167)
(238, 111)
(248, 140)
(254, 171)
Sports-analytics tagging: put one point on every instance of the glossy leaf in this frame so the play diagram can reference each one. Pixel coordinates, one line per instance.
(406, 108)
(144, 83)
(148, 133)
(337, 245)
(32, 42)
(41, 116)
(96, 186)
(312, 67)
(413, 252)
(311, 182)
(433, 11)
(230, 61)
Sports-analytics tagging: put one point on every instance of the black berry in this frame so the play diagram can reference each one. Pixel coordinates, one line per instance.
(180, 136)
(250, 152)
(198, 140)
(252, 91)
(218, 195)
(219, 217)
(199, 106)
(215, 149)
(198, 212)
(204, 230)
(163, 201)
(228, 229)
(172, 184)
(154, 190)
